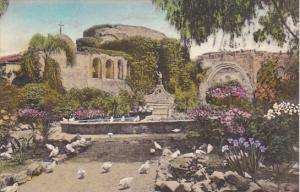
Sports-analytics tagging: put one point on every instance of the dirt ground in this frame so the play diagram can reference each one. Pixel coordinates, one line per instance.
(63, 179)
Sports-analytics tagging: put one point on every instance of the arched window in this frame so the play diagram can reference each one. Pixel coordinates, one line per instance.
(120, 69)
(96, 68)
(109, 69)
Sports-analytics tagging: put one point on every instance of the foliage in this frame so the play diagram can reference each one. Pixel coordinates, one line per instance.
(49, 45)
(88, 42)
(7, 121)
(244, 155)
(85, 114)
(279, 129)
(91, 32)
(3, 6)
(198, 19)
(9, 99)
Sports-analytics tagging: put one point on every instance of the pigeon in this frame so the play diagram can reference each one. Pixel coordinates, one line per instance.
(72, 119)
(125, 182)
(203, 146)
(54, 152)
(50, 147)
(13, 188)
(110, 135)
(111, 119)
(209, 148)
(176, 130)
(175, 154)
(144, 168)
(296, 149)
(247, 175)
(295, 166)
(6, 155)
(50, 167)
(152, 151)
(106, 166)
(136, 119)
(64, 120)
(123, 119)
(157, 146)
(81, 174)
(69, 148)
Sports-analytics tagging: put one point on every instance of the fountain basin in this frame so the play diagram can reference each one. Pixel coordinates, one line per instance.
(95, 128)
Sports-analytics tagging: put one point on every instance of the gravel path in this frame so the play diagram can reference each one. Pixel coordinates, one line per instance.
(63, 179)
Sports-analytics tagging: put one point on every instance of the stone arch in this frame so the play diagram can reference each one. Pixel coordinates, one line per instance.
(109, 69)
(96, 68)
(128, 70)
(225, 69)
(120, 69)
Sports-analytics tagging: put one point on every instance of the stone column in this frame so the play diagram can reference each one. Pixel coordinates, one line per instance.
(124, 69)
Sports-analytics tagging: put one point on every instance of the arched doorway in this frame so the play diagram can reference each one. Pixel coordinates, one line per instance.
(120, 70)
(96, 68)
(222, 73)
(109, 69)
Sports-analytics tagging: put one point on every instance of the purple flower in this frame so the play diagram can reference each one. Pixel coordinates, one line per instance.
(263, 149)
(242, 140)
(235, 143)
(251, 141)
(230, 140)
(246, 144)
(257, 143)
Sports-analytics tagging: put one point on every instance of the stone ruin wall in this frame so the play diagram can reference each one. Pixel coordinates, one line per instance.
(79, 75)
(238, 65)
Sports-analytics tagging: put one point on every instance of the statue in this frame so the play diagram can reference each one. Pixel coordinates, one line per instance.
(159, 76)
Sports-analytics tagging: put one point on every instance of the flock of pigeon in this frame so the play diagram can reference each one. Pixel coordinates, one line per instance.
(112, 119)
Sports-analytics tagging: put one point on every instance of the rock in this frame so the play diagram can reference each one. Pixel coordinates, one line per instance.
(163, 164)
(229, 188)
(22, 177)
(6, 179)
(267, 186)
(197, 188)
(119, 32)
(60, 158)
(216, 176)
(171, 186)
(24, 126)
(187, 187)
(236, 180)
(289, 187)
(34, 169)
(166, 152)
(187, 155)
(253, 187)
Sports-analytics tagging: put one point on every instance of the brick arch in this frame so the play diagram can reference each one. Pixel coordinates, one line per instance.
(227, 68)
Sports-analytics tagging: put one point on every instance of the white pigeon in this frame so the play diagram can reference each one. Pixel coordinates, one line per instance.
(247, 175)
(6, 155)
(110, 135)
(123, 118)
(54, 152)
(9, 150)
(64, 120)
(209, 148)
(111, 119)
(136, 119)
(13, 188)
(50, 147)
(70, 148)
(50, 167)
(152, 151)
(175, 154)
(81, 174)
(72, 119)
(144, 168)
(106, 166)
(176, 130)
(295, 166)
(157, 146)
(125, 182)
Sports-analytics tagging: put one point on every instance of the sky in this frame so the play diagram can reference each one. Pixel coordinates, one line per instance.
(24, 18)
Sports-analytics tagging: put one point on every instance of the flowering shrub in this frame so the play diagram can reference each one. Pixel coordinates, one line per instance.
(31, 115)
(226, 91)
(231, 119)
(244, 155)
(84, 114)
(281, 109)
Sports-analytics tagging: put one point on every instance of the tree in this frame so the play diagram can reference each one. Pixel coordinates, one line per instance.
(3, 6)
(198, 19)
(47, 46)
